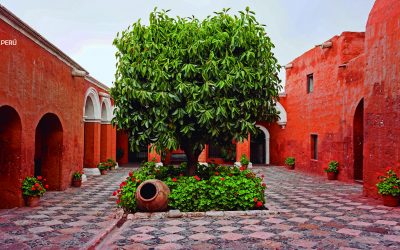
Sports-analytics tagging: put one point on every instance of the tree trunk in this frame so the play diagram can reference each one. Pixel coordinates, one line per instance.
(192, 157)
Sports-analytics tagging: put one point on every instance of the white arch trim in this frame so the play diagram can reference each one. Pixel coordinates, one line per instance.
(109, 109)
(94, 96)
(282, 114)
(267, 136)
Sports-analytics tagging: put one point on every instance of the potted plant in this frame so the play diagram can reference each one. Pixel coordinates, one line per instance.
(103, 168)
(332, 170)
(244, 161)
(290, 161)
(33, 189)
(77, 179)
(389, 188)
(111, 163)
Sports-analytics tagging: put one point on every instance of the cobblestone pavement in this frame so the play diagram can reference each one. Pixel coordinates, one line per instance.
(314, 213)
(75, 219)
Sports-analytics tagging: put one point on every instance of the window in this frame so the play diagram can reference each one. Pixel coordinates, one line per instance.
(310, 83)
(314, 147)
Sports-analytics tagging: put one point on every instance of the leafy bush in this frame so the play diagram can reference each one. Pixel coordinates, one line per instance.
(290, 161)
(33, 186)
(213, 188)
(244, 160)
(389, 184)
(333, 167)
(103, 166)
(111, 162)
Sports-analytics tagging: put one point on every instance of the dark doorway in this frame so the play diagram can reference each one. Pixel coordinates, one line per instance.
(138, 157)
(48, 150)
(257, 148)
(358, 141)
(10, 157)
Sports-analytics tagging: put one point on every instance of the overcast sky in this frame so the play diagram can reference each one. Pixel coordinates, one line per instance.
(85, 29)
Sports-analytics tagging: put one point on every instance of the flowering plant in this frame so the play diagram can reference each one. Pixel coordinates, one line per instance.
(33, 186)
(332, 167)
(111, 163)
(389, 184)
(77, 176)
(213, 187)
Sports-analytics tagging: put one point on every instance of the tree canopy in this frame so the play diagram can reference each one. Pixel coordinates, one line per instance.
(184, 82)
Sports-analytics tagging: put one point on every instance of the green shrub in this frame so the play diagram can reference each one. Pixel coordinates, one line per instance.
(214, 188)
(389, 184)
(333, 167)
(244, 160)
(290, 161)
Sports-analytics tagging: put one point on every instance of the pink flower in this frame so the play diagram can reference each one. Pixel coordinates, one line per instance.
(130, 174)
(255, 199)
(259, 204)
(174, 179)
(39, 178)
(264, 185)
(115, 193)
(197, 178)
(216, 173)
(222, 178)
(46, 186)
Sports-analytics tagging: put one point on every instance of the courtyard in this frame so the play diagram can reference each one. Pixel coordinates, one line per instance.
(305, 212)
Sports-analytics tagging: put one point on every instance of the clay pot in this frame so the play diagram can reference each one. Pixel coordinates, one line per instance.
(32, 201)
(76, 183)
(244, 166)
(390, 200)
(152, 196)
(103, 172)
(290, 167)
(331, 176)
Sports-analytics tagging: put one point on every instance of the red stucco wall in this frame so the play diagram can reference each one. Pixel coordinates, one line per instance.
(382, 95)
(327, 111)
(34, 82)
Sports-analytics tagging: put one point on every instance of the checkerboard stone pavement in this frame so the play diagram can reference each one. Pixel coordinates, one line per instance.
(314, 214)
(71, 219)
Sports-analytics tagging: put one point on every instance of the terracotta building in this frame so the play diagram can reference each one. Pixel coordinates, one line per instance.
(54, 117)
(341, 102)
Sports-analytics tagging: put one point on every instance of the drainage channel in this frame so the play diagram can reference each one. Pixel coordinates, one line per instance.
(99, 244)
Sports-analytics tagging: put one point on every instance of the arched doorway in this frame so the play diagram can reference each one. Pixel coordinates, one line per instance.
(358, 141)
(10, 157)
(48, 150)
(259, 146)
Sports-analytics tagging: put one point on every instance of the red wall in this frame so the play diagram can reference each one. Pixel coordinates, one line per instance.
(35, 82)
(382, 95)
(328, 111)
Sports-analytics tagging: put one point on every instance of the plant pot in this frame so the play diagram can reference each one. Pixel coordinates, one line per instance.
(244, 166)
(290, 167)
(390, 200)
(103, 172)
(32, 201)
(76, 183)
(152, 196)
(331, 175)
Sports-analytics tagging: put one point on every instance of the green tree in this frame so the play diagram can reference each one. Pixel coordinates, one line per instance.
(184, 83)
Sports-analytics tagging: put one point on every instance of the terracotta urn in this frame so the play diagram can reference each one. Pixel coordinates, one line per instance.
(152, 196)
(76, 183)
(390, 200)
(32, 201)
(103, 172)
(331, 175)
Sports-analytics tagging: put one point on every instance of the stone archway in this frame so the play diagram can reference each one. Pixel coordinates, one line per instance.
(49, 150)
(106, 130)
(259, 147)
(91, 118)
(10, 157)
(358, 141)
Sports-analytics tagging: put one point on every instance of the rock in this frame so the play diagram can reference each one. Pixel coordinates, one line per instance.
(215, 213)
(174, 214)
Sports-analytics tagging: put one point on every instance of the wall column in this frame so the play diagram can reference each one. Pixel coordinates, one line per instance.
(92, 147)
